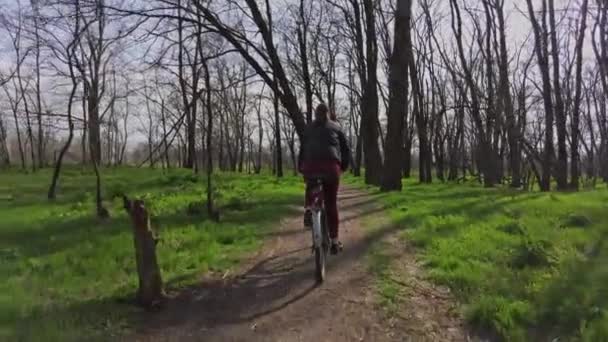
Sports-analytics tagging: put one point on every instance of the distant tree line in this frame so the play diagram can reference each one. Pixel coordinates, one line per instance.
(449, 88)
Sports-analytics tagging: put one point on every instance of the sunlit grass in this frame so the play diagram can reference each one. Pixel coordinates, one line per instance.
(523, 264)
(63, 271)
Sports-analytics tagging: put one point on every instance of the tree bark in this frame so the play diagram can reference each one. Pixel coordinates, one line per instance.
(4, 153)
(260, 128)
(358, 153)
(94, 122)
(66, 147)
(41, 152)
(302, 33)
(209, 109)
(30, 133)
(15, 108)
(369, 105)
(506, 99)
(150, 293)
(575, 124)
(85, 124)
(277, 137)
(102, 212)
(600, 50)
(561, 169)
(486, 168)
(397, 106)
(540, 48)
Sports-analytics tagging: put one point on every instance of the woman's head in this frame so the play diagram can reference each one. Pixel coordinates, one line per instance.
(322, 112)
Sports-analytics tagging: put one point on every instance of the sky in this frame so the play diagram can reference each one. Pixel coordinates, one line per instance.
(518, 29)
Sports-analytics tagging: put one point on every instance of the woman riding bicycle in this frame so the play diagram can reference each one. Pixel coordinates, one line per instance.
(324, 153)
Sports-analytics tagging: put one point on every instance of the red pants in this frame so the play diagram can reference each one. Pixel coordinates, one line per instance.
(331, 170)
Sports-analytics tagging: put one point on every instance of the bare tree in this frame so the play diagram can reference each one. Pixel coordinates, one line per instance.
(505, 99)
(483, 132)
(600, 48)
(14, 101)
(67, 54)
(398, 87)
(575, 123)
(542, 55)
(15, 29)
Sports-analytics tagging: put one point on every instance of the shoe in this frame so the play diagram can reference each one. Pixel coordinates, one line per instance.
(336, 247)
(308, 218)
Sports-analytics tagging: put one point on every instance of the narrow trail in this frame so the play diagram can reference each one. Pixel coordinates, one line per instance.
(273, 297)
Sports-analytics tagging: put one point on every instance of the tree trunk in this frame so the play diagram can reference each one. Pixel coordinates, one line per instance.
(277, 132)
(258, 166)
(491, 169)
(302, 32)
(66, 147)
(600, 50)
(575, 128)
(358, 153)
(30, 134)
(369, 106)
(397, 106)
(407, 155)
(540, 48)
(150, 293)
(4, 154)
(561, 169)
(41, 157)
(85, 124)
(424, 156)
(209, 109)
(94, 131)
(19, 141)
(506, 99)
(164, 126)
(439, 151)
(220, 154)
(102, 212)
(487, 168)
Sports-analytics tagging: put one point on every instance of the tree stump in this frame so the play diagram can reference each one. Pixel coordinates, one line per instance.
(150, 293)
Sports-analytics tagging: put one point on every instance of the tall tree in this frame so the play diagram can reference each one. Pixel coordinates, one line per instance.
(397, 106)
(37, 49)
(575, 123)
(561, 169)
(506, 99)
(67, 53)
(483, 133)
(542, 55)
(600, 49)
(369, 102)
(302, 35)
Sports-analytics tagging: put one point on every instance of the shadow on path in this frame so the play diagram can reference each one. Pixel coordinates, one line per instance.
(273, 283)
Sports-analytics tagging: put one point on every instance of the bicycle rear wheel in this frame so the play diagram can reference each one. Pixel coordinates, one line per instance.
(319, 264)
(322, 250)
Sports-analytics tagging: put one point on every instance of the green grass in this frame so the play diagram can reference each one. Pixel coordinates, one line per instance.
(381, 259)
(526, 266)
(64, 272)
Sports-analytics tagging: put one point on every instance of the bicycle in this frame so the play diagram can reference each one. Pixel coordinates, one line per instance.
(320, 232)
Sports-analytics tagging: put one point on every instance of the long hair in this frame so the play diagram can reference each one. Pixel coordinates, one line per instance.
(322, 113)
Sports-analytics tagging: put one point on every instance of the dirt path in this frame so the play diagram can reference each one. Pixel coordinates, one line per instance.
(274, 297)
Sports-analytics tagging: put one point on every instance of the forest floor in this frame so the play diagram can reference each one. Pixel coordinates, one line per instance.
(274, 297)
(425, 263)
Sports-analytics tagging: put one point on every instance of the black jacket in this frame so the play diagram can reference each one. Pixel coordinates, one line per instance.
(324, 141)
